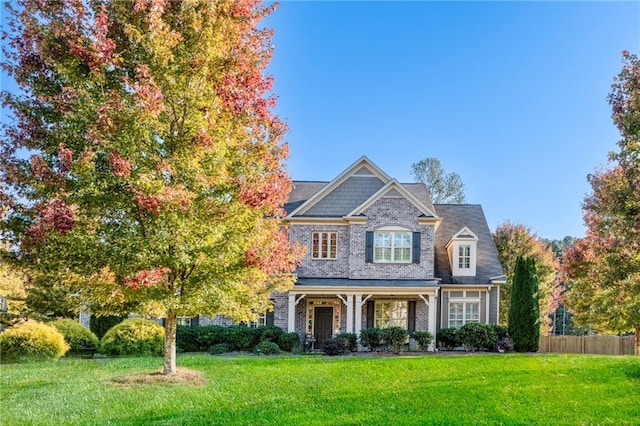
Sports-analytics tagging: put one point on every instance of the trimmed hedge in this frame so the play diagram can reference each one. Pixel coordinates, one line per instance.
(31, 341)
(240, 337)
(270, 333)
(135, 336)
(100, 325)
(475, 337)
(394, 337)
(352, 340)
(371, 338)
(289, 342)
(334, 347)
(424, 338)
(447, 338)
(199, 339)
(236, 338)
(75, 334)
(267, 348)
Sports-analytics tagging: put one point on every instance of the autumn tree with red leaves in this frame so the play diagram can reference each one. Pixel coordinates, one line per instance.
(143, 164)
(603, 268)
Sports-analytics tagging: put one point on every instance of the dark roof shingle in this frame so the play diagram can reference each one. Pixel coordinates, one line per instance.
(454, 218)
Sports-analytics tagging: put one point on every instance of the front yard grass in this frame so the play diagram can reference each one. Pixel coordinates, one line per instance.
(252, 390)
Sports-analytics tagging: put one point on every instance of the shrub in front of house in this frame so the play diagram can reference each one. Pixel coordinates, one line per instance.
(447, 338)
(199, 339)
(269, 333)
(240, 337)
(134, 336)
(334, 347)
(289, 342)
(424, 338)
(477, 337)
(371, 338)
(219, 348)
(267, 348)
(75, 334)
(504, 343)
(352, 340)
(100, 325)
(394, 338)
(31, 341)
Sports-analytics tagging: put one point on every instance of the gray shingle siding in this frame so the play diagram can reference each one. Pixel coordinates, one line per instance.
(346, 197)
(455, 217)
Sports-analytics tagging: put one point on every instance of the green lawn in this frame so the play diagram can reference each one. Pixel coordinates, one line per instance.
(464, 389)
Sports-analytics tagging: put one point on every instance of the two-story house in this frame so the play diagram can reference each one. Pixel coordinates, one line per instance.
(381, 254)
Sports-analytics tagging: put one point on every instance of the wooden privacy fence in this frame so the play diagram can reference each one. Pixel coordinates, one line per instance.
(598, 344)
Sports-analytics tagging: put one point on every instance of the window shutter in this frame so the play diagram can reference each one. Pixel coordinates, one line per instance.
(368, 254)
(371, 311)
(411, 326)
(415, 252)
(270, 318)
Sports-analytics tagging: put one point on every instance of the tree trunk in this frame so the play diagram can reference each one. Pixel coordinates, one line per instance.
(636, 341)
(170, 323)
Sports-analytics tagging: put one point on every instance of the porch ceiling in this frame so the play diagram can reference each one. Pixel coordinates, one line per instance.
(343, 285)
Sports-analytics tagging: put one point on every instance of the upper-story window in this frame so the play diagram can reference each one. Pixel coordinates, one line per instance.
(464, 256)
(462, 250)
(392, 246)
(324, 245)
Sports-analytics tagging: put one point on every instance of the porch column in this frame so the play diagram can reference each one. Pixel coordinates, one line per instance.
(498, 305)
(291, 323)
(432, 318)
(488, 305)
(349, 313)
(358, 308)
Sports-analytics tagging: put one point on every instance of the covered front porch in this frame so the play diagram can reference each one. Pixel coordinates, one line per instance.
(324, 308)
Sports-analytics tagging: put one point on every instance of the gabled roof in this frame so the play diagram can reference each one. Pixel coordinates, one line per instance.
(457, 217)
(363, 167)
(465, 234)
(301, 191)
(394, 185)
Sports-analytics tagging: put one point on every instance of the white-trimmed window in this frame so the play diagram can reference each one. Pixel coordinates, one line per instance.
(462, 249)
(324, 245)
(392, 246)
(184, 321)
(464, 256)
(262, 320)
(391, 313)
(461, 313)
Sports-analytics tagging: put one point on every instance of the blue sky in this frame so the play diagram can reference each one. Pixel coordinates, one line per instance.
(511, 95)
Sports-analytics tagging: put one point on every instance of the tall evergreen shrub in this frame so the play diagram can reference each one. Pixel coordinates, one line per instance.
(524, 327)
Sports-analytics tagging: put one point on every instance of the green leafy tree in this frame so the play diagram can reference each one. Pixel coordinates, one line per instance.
(603, 268)
(513, 241)
(443, 187)
(13, 288)
(524, 325)
(156, 177)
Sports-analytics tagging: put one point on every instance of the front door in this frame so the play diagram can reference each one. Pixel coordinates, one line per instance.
(322, 324)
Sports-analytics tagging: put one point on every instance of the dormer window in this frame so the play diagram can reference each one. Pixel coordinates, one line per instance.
(462, 249)
(464, 256)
